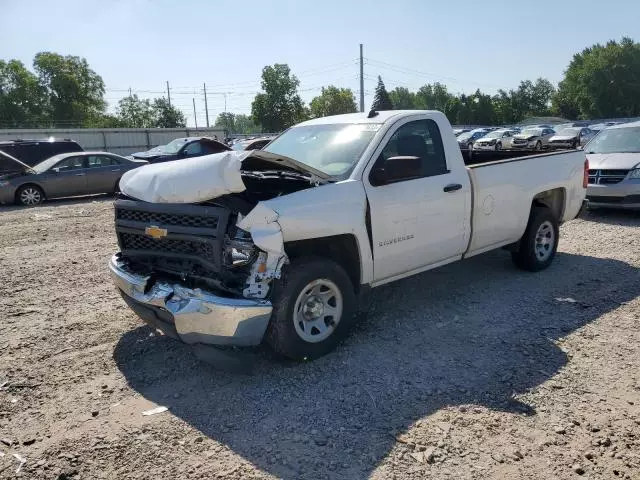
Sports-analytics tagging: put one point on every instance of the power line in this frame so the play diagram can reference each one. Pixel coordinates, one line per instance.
(418, 73)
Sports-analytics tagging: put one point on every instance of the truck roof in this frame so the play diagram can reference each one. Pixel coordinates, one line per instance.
(362, 117)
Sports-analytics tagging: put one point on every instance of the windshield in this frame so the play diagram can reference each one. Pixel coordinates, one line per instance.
(568, 132)
(48, 163)
(531, 132)
(494, 134)
(464, 136)
(332, 149)
(173, 146)
(616, 140)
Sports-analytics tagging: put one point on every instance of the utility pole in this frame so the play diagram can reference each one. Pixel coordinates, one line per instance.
(130, 96)
(168, 93)
(206, 107)
(195, 118)
(361, 81)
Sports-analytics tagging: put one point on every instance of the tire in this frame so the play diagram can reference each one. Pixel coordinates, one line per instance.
(498, 146)
(305, 284)
(116, 189)
(537, 247)
(538, 145)
(29, 195)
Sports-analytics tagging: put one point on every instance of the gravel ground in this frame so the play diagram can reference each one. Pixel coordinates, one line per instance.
(475, 370)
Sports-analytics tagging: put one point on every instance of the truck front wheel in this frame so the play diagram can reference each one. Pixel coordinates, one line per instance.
(313, 306)
(539, 243)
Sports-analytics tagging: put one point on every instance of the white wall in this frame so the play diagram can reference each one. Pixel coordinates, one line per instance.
(122, 141)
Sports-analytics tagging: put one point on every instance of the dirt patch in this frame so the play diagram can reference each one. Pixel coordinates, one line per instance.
(475, 370)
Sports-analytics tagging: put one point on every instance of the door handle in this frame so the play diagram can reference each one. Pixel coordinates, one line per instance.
(452, 187)
(80, 174)
(115, 170)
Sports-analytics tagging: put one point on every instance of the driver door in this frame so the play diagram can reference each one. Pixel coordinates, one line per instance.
(423, 220)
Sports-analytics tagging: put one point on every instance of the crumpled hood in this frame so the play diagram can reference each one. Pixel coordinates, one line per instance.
(613, 161)
(199, 179)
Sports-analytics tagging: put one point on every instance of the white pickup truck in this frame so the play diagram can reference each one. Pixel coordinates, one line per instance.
(276, 245)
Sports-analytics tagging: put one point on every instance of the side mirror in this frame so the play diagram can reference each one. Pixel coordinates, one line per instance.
(398, 168)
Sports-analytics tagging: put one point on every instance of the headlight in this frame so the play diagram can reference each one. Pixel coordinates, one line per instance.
(239, 249)
(635, 173)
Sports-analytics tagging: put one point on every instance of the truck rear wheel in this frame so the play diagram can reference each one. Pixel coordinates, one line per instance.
(313, 306)
(539, 243)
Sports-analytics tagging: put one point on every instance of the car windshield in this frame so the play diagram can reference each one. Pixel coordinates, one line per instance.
(464, 136)
(48, 163)
(568, 132)
(531, 132)
(494, 134)
(173, 146)
(333, 149)
(616, 140)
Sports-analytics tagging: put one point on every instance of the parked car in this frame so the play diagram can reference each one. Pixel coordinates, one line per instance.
(32, 152)
(495, 140)
(465, 140)
(277, 245)
(572, 137)
(253, 144)
(180, 148)
(458, 131)
(532, 138)
(65, 175)
(614, 162)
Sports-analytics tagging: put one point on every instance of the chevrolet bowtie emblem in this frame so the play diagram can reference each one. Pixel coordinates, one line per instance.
(155, 232)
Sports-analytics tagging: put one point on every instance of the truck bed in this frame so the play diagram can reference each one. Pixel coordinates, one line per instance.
(504, 184)
(480, 157)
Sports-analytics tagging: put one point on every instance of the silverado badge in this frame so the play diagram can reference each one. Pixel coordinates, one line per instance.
(155, 232)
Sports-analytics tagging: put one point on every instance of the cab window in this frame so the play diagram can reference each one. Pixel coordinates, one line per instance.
(421, 139)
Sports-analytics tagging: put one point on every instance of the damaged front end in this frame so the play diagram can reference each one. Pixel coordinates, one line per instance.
(202, 270)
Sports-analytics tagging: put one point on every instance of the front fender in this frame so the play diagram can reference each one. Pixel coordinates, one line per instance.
(327, 210)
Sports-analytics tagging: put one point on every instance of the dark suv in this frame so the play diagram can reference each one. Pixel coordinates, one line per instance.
(33, 152)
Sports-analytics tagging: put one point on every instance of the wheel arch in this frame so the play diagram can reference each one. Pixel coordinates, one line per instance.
(554, 200)
(342, 249)
(30, 184)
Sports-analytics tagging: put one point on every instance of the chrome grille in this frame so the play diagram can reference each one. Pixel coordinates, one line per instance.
(606, 177)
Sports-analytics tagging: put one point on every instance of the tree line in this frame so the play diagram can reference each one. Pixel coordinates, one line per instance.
(63, 91)
(602, 81)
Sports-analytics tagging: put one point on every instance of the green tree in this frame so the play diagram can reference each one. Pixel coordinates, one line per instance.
(134, 112)
(333, 101)
(402, 98)
(433, 97)
(381, 100)
(280, 106)
(602, 81)
(23, 101)
(245, 124)
(75, 92)
(227, 121)
(166, 115)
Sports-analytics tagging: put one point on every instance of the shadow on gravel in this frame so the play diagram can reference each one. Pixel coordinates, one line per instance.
(629, 218)
(475, 332)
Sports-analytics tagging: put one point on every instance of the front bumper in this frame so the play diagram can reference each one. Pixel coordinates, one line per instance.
(524, 146)
(625, 194)
(561, 145)
(481, 146)
(193, 316)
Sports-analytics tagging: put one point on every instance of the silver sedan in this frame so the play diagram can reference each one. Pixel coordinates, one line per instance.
(65, 175)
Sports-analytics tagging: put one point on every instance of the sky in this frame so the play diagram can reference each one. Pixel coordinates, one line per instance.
(465, 44)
